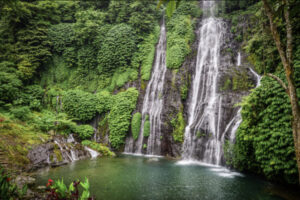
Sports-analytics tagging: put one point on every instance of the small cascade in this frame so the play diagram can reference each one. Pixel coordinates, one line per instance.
(93, 153)
(239, 59)
(152, 104)
(257, 76)
(71, 139)
(64, 151)
(234, 124)
(202, 133)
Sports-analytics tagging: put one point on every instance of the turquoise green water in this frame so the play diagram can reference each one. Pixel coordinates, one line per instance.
(131, 177)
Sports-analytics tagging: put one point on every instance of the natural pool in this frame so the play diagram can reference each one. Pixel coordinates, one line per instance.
(133, 177)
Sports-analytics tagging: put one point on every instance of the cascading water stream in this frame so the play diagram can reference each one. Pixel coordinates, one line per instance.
(93, 153)
(153, 103)
(205, 107)
(237, 119)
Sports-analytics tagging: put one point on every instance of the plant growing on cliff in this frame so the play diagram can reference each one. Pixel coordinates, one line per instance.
(146, 128)
(104, 150)
(84, 131)
(120, 115)
(117, 48)
(80, 105)
(178, 124)
(136, 125)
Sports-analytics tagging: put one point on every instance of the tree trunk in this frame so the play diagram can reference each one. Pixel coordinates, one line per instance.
(286, 59)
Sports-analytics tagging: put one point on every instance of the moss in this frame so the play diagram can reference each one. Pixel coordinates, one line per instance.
(58, 155)
(103, 126)
(145, 146)
(178, 124)
(146, 132)
(199, 134)
(16, 138)
(227, 84)
(174, 72)
(143, 84)
(241, 81)
(136, 125)
(101, 148)
(183, 91)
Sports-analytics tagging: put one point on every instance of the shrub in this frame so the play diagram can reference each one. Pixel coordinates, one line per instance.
(9, 86)
(178, 125)
(264, 141)
(179, 38)
(80, 105)
(117, 48)
(21, 113)
(146, 132)
(104, 150)
(31, 96)
(104, 99)
(136, 125)
(120, 114)
(144, 57)
(84, 131)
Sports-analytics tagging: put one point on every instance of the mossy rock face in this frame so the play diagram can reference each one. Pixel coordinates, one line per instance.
(58, 155)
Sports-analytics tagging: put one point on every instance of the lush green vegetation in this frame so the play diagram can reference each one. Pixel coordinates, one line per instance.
(10, 190)
(120, 116)
(180, 33)
(147, 127)
(178, 124)
(264, 141)
(136, 125)
(79, 104)
(60, 63)
(103, 150)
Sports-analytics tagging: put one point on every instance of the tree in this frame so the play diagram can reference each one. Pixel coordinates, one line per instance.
(286, 56)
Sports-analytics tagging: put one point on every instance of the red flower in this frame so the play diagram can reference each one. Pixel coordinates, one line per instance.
(50, 181)
(8, 179)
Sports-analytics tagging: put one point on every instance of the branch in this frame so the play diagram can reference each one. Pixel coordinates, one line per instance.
(289, 47)
(276, 78)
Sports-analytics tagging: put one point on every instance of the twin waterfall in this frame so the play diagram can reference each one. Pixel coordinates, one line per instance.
(210, 118)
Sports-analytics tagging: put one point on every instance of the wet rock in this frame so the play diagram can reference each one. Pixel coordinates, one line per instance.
(56, 152)
(24, 180)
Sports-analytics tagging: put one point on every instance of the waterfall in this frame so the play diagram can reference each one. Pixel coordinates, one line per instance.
(70, 139)
(153, 103)
(202, 133)
(92, 152)
(64, 152)
(237, 120)
(239, 59)
(258, 77)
